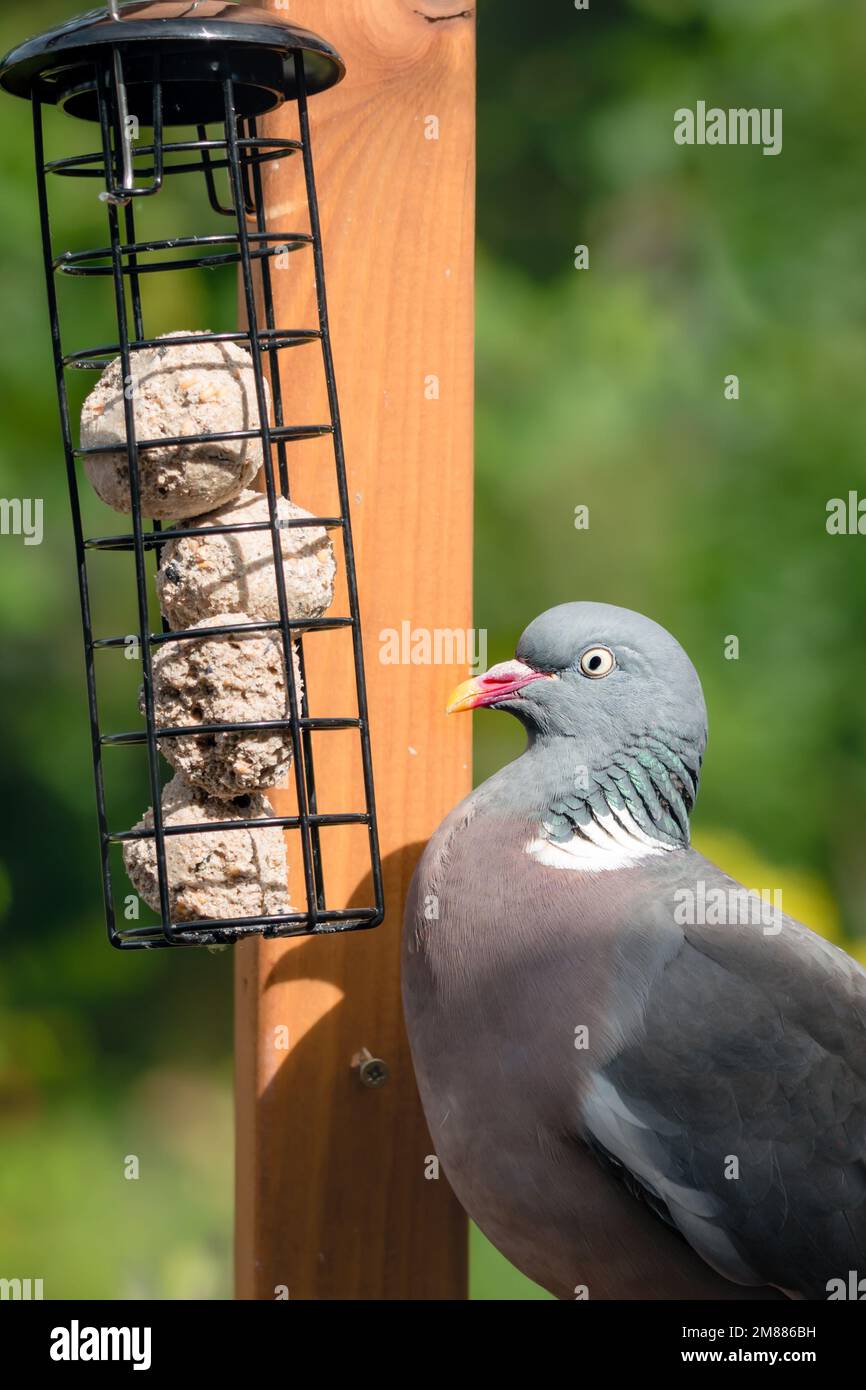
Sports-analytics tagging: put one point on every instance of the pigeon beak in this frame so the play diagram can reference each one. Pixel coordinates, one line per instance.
(495, 685)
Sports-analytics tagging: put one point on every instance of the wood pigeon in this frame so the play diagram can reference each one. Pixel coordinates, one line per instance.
(641, 1080)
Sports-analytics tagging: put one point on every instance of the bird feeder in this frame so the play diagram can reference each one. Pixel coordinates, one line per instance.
(206, 72)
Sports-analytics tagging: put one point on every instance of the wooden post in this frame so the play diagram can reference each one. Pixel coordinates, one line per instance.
(332, 1196)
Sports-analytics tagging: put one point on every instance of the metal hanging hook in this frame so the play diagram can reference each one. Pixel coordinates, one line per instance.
(127, 184)
(128, 178)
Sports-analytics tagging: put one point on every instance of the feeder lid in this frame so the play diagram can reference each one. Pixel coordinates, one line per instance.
(185, 36)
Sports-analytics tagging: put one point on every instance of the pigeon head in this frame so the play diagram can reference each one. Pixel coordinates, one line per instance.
(612, 681)
(592, 669)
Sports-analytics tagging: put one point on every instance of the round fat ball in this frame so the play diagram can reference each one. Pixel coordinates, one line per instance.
(235, 573)
(176, 390)
(212, 875)
(226, 679)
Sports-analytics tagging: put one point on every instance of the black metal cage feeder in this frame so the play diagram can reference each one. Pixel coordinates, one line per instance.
(199, 65)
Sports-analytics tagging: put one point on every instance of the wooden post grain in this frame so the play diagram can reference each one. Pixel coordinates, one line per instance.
(332, 1197)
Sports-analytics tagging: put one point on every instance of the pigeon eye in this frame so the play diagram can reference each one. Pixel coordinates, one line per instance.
(597, 662)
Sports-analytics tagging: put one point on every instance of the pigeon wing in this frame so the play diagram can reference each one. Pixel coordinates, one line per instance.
(736, 1106)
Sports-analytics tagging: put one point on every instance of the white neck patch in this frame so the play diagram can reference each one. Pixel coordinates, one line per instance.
(612, 841)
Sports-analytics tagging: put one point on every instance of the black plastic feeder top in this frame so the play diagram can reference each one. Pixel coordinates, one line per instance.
(191, 48)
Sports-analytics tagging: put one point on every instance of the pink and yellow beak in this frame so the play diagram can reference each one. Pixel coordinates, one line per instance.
(495, 685)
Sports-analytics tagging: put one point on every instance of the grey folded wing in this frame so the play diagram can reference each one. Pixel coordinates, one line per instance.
(737, 1106)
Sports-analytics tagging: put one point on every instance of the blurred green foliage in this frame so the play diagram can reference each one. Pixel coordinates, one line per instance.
(95, 1047)
(601, 387)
